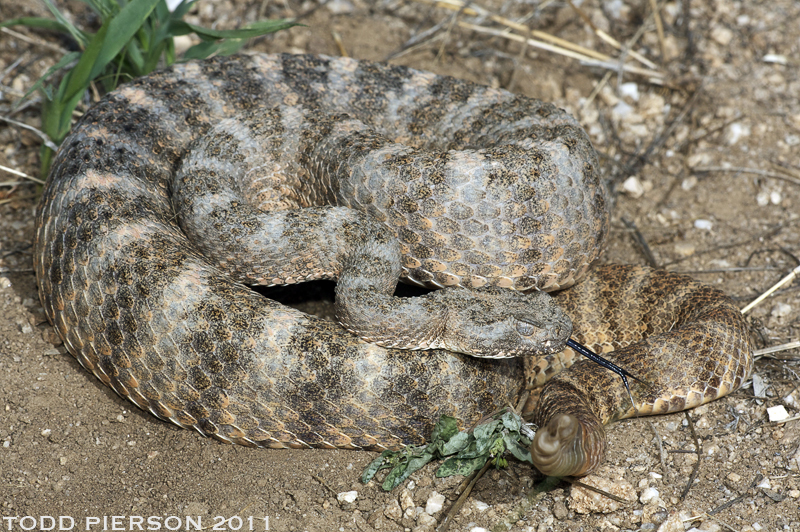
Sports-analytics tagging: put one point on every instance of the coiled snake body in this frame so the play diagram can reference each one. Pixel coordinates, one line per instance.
(440, 181)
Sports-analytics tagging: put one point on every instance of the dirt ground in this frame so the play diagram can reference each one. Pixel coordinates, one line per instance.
(705, 161)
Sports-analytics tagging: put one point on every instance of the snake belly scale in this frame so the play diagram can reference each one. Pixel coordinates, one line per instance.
(479, 189)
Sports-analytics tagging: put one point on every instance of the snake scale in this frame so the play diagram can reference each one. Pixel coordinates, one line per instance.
(364, 173)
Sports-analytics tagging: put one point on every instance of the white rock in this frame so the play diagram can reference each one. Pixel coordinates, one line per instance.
(735, 132)
(480, 506)
(685, 249)
(584, 501)
(425, 522)
(621, 110)
(721, 35)
(777, 413)
(182, 43)
(393, 511)
(775, 58)
(673, 523)
(347, 496)
(406, 501)
(630, 90)
(765, 484)
(616, 9)
(705, 225)
(633, 187)
(689, 183)
(698, 159)
(781, 310)
(649, 494)
(435, 503)
(759, 386)
(339, 7)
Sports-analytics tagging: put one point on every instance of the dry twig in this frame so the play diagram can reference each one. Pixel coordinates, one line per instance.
(20, 174)
(787, 279)
(698, 449)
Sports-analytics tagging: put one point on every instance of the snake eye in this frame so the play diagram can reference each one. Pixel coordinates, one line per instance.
(525, 328)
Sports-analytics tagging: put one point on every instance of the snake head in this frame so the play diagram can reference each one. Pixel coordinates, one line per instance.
(494, 322)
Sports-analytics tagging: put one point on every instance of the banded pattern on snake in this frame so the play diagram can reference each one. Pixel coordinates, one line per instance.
(445, 183)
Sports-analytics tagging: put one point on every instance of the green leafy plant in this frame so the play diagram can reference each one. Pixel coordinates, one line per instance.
(463, 451)
(135, 37)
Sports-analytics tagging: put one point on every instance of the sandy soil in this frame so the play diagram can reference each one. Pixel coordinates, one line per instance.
(71, 447)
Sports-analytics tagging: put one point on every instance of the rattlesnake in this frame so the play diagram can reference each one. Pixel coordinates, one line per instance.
(453, 185)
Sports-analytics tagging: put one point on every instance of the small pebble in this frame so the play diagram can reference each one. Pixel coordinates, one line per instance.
(621, 110)
(425, 521)
(733, 477)
(777, 413)
(480, 506)
(759, 386)
(435, 503)
(340, 7)
(583, 501)
(673, 523)
(630, 90)
(406, 501)
(393, 511)
(721, 35)
(347, 496)
(684, 249)
(633, 187)
(649, 494)
(705, 225)
(689, 183)
(781, 310)
(775, 58)
(560, 510)
(736, 132)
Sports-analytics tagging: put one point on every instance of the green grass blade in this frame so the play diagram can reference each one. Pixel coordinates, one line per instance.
(120, 30)
(200, 51)
(182, 8)
(255, 29)
(67, 59)
(36, 22)
(81, 37)
(81, 75)
(230, 46)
